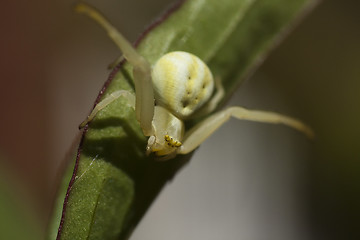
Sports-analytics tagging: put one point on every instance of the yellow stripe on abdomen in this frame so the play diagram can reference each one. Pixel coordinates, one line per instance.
(182, 83)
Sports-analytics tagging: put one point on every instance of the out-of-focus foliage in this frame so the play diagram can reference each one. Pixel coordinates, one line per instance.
(17, 221)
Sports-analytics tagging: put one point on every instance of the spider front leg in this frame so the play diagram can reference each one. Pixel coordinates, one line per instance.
(144, 104)
(195, 136)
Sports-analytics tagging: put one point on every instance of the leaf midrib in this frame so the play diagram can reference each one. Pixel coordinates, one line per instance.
(227, 33)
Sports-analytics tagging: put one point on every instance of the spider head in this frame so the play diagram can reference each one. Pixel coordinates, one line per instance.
(168, 131)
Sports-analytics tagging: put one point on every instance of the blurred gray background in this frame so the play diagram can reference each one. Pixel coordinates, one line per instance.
(249, 180)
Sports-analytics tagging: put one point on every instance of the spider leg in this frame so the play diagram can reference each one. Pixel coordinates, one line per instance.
(116, 62)
(106, 101)
(220, 92)
(200, 132)
(144, 105)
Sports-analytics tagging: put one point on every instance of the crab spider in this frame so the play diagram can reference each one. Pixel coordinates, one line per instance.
(182, 87)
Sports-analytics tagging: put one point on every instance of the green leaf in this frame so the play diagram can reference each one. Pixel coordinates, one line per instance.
(114, 182)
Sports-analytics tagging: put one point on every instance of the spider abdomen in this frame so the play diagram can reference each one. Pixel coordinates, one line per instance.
(182, 83)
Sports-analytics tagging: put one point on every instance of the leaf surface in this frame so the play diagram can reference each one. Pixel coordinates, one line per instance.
(114, 183)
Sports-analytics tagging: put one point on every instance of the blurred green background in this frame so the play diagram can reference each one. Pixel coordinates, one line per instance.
(271, 183)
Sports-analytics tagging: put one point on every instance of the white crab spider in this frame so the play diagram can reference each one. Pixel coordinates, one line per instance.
(183, 86)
